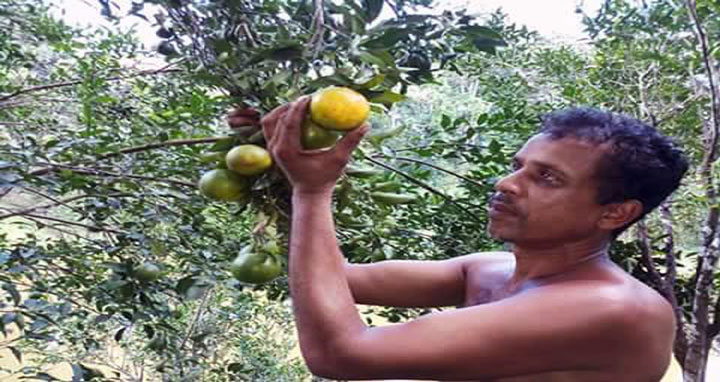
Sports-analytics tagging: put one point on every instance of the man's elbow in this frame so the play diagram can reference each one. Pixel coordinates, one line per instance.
(331, 364)
(326, 367)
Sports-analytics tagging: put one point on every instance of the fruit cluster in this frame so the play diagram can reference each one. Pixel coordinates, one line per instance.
(332, 111)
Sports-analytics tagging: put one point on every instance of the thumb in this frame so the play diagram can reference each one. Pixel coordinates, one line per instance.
(351, 140)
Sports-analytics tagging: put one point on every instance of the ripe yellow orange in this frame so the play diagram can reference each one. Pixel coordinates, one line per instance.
(338, 108)
(224, 185)
(248, 160)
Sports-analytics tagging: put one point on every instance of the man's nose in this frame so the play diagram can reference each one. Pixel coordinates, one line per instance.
(509, 184)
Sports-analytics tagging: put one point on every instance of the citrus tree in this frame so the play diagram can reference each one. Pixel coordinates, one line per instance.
(116, 239)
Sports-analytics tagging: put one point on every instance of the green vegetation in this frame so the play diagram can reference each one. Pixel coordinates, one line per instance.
(100, 166)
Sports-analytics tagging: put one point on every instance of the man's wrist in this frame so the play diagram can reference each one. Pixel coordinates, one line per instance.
(313, 193)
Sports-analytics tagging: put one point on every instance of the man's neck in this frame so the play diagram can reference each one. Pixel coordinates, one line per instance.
(534, 264)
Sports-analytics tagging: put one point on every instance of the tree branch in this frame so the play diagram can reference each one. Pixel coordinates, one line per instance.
(646, 254)
(150, 146)
(714, 328)
(425, 186)
(95, 172)
(693, 364)
(677, 109)
(63, 221)
(406, 159)
(57, 203)
(318, 26)
(75, 234)
(164, 69)
(53, 199)
(671, 274)
(713, 77)
(196, 319)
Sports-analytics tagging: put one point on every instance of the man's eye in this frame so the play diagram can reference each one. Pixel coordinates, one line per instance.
(548, 176)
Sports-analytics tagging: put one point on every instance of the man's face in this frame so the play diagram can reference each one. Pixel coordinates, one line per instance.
(550, 197)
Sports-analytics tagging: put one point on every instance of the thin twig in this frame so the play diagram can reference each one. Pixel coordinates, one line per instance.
(164, 69)
(51, 198)
(95, 172)
(318, 26)
(60, 202)
(712, 75)
(196, 319)
(646, 252)
(92, 228)
(424, 185)
(406, 159)
(150, 146)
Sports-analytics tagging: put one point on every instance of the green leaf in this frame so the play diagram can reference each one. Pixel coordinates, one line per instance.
(184, 284)
(372, 82)
(387, 98)
(387, 39)
(14, 294)
(284, 52)
(445, 121)
(224, 144)
(487, 45)
(16, 353)
(372, 9)
(41, 376)
(371, 59)
(119, 334)
(481, 31)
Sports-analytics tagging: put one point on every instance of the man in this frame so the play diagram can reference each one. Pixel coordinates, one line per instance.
(555, 309)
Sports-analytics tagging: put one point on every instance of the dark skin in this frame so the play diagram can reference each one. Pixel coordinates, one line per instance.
(554, 309)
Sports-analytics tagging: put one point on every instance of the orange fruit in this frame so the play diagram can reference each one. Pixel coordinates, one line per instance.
(223, 185)
(248, 159)
(338, 108)
(315, 137)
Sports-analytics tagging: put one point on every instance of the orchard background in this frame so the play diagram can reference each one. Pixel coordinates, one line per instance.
(100, 159)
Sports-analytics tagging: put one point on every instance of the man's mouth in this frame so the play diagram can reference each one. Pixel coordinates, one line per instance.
(500, 206)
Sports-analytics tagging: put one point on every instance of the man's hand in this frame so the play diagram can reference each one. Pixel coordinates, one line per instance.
(314, 171)
(240, 117)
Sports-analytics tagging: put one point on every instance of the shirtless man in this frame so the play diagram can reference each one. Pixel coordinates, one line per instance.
(554, 309)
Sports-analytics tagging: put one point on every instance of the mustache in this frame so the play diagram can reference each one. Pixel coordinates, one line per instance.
(504, 201)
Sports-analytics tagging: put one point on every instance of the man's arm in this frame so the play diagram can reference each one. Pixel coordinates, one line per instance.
(573, 327)
(408, 283)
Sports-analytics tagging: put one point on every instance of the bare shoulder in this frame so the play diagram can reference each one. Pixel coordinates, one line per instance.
(635, 325)
(485, 274)
(481, 260)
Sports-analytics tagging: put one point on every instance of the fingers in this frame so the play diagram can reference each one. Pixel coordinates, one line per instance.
(345, 146)
(236, 122)
(243, 117)
(243, 111)
(269, 123)
(288, 135)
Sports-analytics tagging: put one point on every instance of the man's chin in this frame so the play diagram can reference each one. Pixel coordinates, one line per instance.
(499, 234)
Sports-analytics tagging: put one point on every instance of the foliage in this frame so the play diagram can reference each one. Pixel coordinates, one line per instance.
(103, 166)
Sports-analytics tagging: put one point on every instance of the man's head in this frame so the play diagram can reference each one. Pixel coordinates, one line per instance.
(608, 170)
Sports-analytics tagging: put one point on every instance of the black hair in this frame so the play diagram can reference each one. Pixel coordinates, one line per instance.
(639, 163)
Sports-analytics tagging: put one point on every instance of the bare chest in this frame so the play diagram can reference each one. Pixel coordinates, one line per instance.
(491, 285)
(569, 376)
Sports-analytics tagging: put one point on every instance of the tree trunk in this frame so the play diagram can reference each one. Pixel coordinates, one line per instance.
(701, 331)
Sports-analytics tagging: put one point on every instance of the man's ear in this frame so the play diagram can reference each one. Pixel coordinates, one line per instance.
(618, 215)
